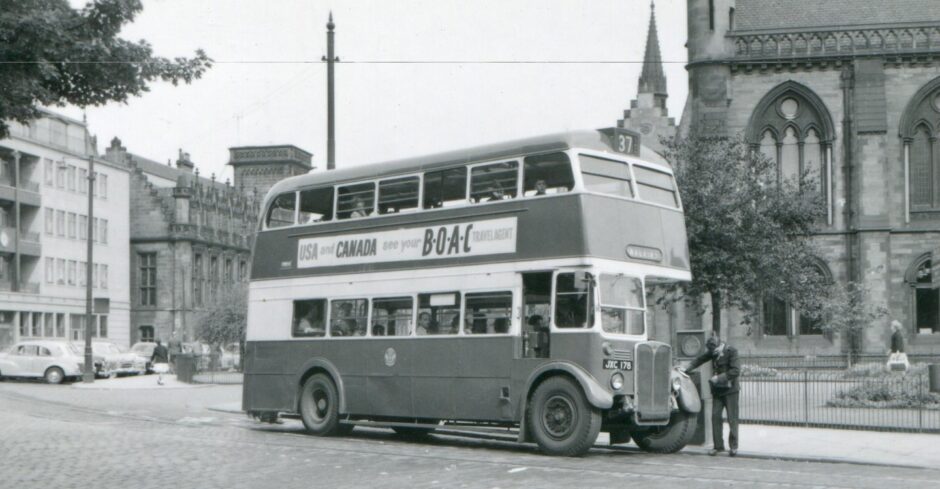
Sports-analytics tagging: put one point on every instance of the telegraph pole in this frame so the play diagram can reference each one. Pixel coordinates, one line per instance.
(330, 110)
(89, 374)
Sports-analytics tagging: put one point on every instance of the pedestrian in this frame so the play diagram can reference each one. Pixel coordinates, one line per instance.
(724, 387)
(174, 348)
(897, 359)
(160, 361)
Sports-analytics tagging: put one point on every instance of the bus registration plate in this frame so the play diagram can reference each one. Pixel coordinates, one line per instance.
(611, 364)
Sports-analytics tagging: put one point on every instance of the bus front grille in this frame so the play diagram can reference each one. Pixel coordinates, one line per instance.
(653, 362)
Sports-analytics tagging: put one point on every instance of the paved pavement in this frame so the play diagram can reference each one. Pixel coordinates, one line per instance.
(140, 400)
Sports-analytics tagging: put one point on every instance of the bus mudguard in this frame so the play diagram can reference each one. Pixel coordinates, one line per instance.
(595, 394)
(328, 367)
(686, 393)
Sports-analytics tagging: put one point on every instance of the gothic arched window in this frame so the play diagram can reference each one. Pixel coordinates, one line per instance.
(926, 296)
(919, 128)
(780, 318)
(792, 127)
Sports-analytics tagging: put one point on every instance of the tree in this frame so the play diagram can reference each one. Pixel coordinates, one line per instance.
(748, 232)
(52, 54)
(849, 310)
(224, 321)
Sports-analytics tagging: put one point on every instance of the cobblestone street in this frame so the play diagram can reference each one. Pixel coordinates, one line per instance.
(49, 443)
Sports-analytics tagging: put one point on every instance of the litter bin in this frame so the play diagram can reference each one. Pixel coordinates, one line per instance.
(934, 370)
(185, 367)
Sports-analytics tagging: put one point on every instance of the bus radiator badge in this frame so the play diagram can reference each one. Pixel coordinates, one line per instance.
(390, 357)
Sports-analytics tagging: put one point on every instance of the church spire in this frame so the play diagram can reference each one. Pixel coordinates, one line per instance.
(652, 79)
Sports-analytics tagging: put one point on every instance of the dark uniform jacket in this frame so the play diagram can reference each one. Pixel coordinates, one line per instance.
(159, 354)
(725, 366)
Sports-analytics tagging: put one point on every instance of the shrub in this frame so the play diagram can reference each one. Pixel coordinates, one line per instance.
(878, 370)
(758, 371)
(886, 394)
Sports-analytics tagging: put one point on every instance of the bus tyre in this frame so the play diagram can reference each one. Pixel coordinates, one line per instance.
(670, 438)
(561, 419)
(319, 407)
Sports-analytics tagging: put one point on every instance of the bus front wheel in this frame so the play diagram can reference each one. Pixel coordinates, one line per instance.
(561, 419)
(670, 438)
(319, 406)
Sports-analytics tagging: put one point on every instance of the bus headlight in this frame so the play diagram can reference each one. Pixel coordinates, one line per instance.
(616, 381)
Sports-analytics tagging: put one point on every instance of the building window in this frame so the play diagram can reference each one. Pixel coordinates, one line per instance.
(60, 223)
(72, 272)
(72, 225)
(243, 271)
(213, 276)
(50, 221)
(82, 274)
(103, 235)
(792, 128)
(50, 270)
(60, 175)
(82, 227)
(146, 333)
(922, 153)
(102, 186)
(94, 230)
(228, 271)
(103, 275)
(926, 297)
(776, 317)
(82, 181)
(60, 271)
(148, 278)
(70, 178)
(77, 325)
(102, 326)
(49, 172)
(198, 277)
(94, 276)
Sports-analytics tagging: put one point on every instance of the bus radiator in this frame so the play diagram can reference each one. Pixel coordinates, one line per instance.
(653, 361)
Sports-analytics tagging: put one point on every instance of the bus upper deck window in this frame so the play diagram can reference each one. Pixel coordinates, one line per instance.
(398, 194)
(490, 183)
(606, 176)
(621, 304)
(547, 174)
(572, 300)
(281, 212)
(316, 205)
(355, 201)
(445, 188)
(656, 186)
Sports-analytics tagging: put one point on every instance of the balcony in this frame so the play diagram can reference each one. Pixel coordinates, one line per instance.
(28, 191)
(29, 242)
(25, 287)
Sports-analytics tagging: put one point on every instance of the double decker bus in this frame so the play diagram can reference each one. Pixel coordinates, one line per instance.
(503, 285)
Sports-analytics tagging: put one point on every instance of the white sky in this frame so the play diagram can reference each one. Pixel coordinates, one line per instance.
(268, 85)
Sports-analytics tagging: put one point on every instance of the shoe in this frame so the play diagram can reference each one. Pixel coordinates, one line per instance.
(733, 452)
(715, 451)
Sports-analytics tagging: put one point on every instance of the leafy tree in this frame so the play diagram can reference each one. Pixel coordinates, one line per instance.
(224, 321)
(849, 310)
(52, 54)
(748, 232)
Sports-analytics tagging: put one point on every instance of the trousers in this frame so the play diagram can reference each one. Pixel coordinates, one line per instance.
(727, 402)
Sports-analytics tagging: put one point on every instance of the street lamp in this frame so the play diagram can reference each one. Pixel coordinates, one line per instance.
(89, 375)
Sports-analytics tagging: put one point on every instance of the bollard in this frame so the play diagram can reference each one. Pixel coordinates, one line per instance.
(934, 370)
(185, 367)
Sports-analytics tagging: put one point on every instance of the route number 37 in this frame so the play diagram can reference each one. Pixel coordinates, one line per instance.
(624, 143)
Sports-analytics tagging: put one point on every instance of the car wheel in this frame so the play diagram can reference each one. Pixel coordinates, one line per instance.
(54, 375)
(319, 407)
(562, 420)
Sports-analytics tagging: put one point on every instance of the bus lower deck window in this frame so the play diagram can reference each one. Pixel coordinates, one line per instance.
(348, 317)
(310, 318)
(438, 313)
(488, 313)
(572, 300)
(392, 316)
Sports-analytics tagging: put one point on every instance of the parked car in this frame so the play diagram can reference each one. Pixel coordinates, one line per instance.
(144, 351)
(118, 360)
(52, 360)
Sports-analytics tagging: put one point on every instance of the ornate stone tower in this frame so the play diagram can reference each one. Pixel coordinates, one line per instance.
(648, 114)
(257, 168)
(706, 109)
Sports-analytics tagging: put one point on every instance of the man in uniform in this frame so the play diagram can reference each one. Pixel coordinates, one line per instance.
(724, 386)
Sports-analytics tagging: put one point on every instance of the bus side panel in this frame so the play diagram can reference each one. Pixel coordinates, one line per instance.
(266, 387)
(383, 368)
(434, 390)
(484, 370)
(585, 349)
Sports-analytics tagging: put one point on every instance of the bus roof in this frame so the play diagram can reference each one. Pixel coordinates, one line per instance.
(595, 140)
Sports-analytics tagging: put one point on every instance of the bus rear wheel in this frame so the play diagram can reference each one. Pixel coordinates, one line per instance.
(319, 407)
(670, 438)
(561, 419)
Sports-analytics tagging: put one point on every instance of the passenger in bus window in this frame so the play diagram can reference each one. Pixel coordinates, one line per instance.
(454, 325)
(359, 208)
(501, 325)
(378, 330)
(540, 187)
(311, 324)
(425, 325)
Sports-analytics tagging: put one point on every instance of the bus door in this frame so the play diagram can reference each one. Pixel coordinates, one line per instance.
(572, 311)
(537, 309)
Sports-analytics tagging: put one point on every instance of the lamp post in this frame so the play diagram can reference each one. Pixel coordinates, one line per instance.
(89, 374)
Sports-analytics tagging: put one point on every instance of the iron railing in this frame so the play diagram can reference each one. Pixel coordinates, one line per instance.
(840, 399)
